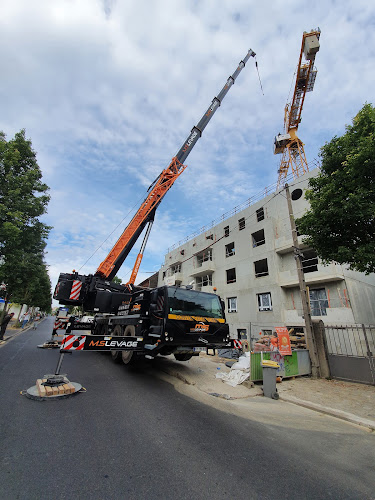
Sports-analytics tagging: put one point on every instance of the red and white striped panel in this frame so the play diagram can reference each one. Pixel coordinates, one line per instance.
(76, 290)
(60, 324)
(69, 340)
(237, 344)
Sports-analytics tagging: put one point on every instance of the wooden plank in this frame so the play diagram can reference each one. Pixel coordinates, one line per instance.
(49, 391)
(55, 390)
(61, 389)
(41, 388)
(72, 388)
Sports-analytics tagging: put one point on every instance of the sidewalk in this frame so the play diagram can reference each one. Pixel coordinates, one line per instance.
(11, 331)
(345, 400)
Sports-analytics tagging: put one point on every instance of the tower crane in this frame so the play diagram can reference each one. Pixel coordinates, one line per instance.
(288, 144)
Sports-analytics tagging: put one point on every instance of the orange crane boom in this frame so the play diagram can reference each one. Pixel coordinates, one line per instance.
(146, 212)
(288, 144)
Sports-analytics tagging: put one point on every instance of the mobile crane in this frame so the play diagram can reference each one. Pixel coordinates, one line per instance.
(288, 144)
(147, 322)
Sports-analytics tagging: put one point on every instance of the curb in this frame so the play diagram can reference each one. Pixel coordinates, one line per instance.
(349, 417)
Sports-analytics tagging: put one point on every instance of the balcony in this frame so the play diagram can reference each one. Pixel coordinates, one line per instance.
(175, 279)
(207, 267)
(332, 272)
(285, 245)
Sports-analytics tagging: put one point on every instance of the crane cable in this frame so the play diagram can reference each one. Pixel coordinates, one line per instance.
(260, 82)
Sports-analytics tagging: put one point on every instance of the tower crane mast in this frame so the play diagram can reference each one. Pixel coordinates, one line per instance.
(288, 144)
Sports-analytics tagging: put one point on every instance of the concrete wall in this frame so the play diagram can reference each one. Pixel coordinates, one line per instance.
(349, 295)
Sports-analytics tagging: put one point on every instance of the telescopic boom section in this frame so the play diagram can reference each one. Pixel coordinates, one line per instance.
(109, 267)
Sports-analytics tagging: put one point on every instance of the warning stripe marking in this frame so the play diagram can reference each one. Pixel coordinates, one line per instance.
(237, 344)
(76, 290)
(69, 340)
(60, 324)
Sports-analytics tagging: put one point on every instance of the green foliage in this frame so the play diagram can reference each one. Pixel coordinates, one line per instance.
(23, 199)
(340, 224)
(117, 280)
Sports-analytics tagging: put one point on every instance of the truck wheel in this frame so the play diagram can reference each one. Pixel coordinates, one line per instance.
(116, 355)
(183, 356)
(129, 357)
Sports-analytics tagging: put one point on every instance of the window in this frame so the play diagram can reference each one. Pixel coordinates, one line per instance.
(226, 231)
(264, 302)
(309, 261)
(258, 238)
(231, 275)
(229, 250)
(260, 214)
(241, 223)
(204, 256)
(210, 237)
(241, 333)
(176, 268)
(232, 304)
(205, 280)
(296, 194)
(318, 302)
(261, 268)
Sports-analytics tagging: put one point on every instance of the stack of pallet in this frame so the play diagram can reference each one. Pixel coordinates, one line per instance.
(54, 390)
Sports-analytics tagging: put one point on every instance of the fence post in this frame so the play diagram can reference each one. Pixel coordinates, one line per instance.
(369, 354)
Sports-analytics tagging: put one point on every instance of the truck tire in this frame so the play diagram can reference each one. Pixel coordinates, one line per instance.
(183, 356)
(116, 355)
(129, 357)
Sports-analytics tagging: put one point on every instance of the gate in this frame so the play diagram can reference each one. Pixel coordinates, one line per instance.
(350, 352)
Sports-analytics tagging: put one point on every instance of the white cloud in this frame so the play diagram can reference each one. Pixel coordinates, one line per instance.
(108, 91)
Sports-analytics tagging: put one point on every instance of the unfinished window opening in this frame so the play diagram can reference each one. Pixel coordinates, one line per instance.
(231, 275)
(318, 302)
(309, 261)
(260, 214)
(204, 256)
(241, 223)
(201, 281)
(229, 250)
(258, 238)
(296, 194)
(209, 237)
(226, 231)
(176, 268)
(261, 268)
(264, 301)
(232, 304)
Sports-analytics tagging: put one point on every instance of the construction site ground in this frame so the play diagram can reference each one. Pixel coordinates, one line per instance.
(349, 401)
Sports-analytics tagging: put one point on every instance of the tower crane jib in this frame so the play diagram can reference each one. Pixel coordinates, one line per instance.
(288, 144)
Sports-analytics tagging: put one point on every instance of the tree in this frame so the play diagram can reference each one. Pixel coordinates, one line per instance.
(340, 224)
(23, 199)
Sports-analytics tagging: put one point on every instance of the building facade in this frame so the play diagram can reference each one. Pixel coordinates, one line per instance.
(248, 259)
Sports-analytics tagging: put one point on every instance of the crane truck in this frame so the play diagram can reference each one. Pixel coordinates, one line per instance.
(132, 321)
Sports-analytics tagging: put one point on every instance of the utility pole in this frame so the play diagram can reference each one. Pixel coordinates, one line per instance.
(310, 341)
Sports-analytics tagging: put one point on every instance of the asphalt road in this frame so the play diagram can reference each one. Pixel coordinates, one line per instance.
(132, 435)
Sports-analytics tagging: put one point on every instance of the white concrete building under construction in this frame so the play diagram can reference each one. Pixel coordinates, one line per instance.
(247, 257)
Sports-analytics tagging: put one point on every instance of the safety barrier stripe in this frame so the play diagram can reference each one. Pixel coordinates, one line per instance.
(69, 340)
(76, 290)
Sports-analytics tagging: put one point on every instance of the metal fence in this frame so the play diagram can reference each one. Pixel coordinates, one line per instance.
(350, 351)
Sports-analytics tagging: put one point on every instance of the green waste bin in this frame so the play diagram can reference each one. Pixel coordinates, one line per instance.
(269, 378)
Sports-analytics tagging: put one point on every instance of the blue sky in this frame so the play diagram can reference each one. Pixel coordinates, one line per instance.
(109, 90)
